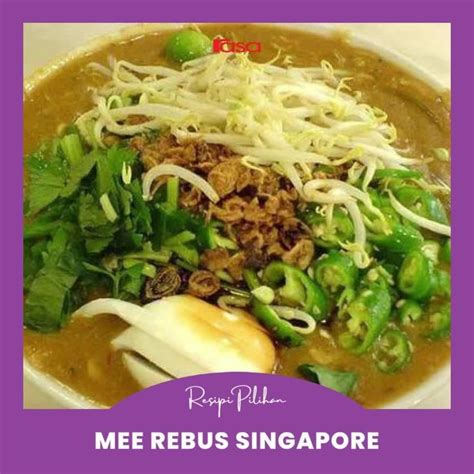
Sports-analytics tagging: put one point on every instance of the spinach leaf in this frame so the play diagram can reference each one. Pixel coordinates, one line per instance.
(340, 381)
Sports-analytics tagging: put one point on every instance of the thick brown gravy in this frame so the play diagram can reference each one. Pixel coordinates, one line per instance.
(80, 356)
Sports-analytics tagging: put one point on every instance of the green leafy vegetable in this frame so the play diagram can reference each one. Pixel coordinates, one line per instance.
(147, 253)
(33, 261)
(340, 381)
(77, 172)
(47, 304)
(127, 281)
(72, 148)
(96, 228)
(56, 170)
(47, 175)
(117, 156)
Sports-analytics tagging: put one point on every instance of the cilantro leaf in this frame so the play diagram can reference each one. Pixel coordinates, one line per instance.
(96, 228)
(117, 156)
(131, 281)
(56, 171)
(78, 171)
(126, 282)
(105, 177)
(47, 176)
(109, 167)
(141, 215)
(47, 304)
(33, 261)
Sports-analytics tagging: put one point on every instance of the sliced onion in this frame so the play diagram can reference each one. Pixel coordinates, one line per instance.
(288, 313)
(180, 172)
(428, 224)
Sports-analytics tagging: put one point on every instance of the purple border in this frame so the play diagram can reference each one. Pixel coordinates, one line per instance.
(444, 437)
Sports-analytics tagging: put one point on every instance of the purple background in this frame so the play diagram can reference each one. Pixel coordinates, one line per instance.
(62, 441)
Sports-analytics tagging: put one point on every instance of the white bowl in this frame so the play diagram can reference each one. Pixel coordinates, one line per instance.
(43, 391)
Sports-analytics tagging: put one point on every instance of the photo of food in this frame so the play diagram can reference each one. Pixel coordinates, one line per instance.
(236, 198)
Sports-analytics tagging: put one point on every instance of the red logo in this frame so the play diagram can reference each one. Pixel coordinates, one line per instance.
(224, 45)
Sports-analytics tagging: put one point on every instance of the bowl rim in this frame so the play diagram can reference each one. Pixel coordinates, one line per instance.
(68, 397)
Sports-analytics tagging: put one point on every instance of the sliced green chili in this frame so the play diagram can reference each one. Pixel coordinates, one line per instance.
(297, 290)
(335, 271)
(401, 239)
(443, 283)
(416, 277)
(439, 321)
(398, 174)
(422, 202)
(409, 312)
(392, 351)
(445, 253)
(280, 329)
(340, 230)
(368, 316)
(431, 249)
